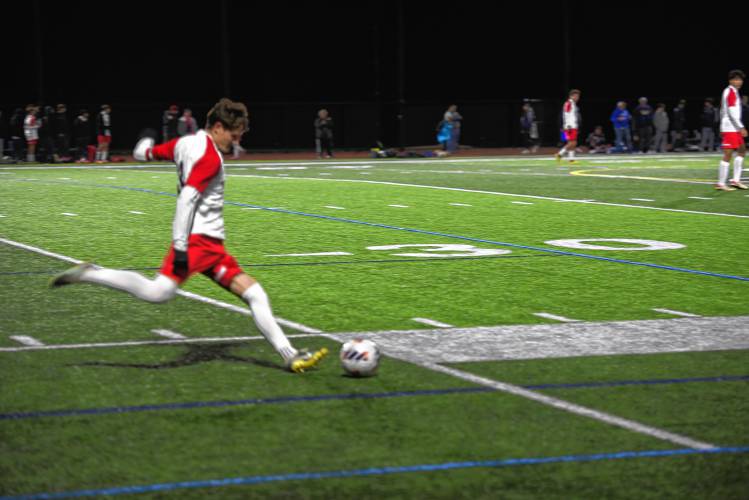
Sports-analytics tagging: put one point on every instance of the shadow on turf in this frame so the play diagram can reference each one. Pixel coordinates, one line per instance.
(194, 355)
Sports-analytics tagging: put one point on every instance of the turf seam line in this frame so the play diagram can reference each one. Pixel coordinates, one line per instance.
(378, 471)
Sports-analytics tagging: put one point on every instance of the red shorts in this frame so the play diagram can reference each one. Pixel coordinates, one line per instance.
(204, 255)
(32, 142)
(570, 134)
(732, 140)
(104, 139)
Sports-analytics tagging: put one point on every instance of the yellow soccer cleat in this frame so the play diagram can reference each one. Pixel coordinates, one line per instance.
(723, 187)
(738, 185)
(305, 360)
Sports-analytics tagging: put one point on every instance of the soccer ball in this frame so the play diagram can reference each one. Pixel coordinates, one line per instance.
(360, 358)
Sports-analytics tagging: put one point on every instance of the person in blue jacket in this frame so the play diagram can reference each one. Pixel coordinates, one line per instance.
(622, 120)
(445, 133)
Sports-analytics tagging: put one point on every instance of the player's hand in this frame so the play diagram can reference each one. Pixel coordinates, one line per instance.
(180, 263)
(743, 132)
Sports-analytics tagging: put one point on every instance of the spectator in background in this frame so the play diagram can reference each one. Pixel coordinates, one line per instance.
(644, 123)
(46, 152)
(708, 120)
(529, 128)
(3, 134)
(31, 126)
(169, 122)
(444, 133)
(82, 134)
(17, 134)
(61, 129)
(103, 133)
(324, 134)
(622, 119)
(187, 124)
(661, 122)
(596, 141)
(456, 119)
(679, 130)
(744, 108)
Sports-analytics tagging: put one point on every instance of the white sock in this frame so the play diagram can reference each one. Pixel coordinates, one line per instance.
(562, 151)
(104, 155)
(723, 172)
(572, 154)
(98, 155)
(258, 301)
(737, 164)
(160, 289)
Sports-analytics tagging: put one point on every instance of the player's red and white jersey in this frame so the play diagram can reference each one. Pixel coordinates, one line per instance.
(31, 127)
(200, 165)
(569, 113)
(730, 110)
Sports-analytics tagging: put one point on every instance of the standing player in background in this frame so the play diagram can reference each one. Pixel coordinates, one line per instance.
(104, 133)
(198, 231)
(733, 133)
(570, 126)
(31, 126)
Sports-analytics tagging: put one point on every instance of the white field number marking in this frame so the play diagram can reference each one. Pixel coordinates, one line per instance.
(434, 249)
(645, 244)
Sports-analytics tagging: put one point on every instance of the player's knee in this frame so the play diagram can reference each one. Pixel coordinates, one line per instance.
(162, 290)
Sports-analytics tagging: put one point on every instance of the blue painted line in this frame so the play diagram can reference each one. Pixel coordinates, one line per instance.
(443, 235)
(338, 397)
(376, 471)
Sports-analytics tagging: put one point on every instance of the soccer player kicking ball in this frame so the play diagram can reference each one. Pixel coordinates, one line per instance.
(733, 132)
(198, 231)
(570, 126)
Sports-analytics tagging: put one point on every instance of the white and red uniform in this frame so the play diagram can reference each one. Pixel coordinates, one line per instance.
(730, 118)
(31, 128)
(198, 225)
(569, 120)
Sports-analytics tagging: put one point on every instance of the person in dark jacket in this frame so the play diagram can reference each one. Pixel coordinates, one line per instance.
(169, 123)
(17, 140)
(3, 134)
(324, 134)
(61, 129)
(644, 124)
(529, 128)
(82, 134)
(48, 152)
(679, 130)
(708, 120)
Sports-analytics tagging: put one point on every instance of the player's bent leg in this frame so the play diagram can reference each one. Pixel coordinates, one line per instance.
(254, 295)
(157, 290)
(738, 164)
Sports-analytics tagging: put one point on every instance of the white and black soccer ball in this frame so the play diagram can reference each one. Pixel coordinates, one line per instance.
(360, 357)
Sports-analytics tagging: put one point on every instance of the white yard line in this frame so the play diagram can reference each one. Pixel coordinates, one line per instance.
(26, 340)
(677, 313)
(107, 345)
(699, 197)
(431, 322)
(494, 193)
(561, 404)
(193, 296)
(136, 212)
(168, 334)
(334, 207)
(461, 205)
(69, 214)
(399, 206)
(641, 199)
(555, 317)
(521, 203)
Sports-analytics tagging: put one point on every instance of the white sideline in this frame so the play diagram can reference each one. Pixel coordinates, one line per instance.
(431, 322)
(134, 343)
(168, 334)
(26, 340)
(194, 296)
(676, 313)
(495, 193)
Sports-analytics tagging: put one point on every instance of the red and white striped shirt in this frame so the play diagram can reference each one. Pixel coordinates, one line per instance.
(569, 113)
(201, 166)
(730, 110)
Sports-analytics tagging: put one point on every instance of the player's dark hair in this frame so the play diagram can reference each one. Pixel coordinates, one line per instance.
(232, 115)
(574, 91)
(736, 73)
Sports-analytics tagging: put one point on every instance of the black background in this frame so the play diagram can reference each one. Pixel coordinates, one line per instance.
(286, 59)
